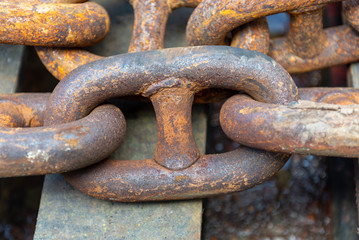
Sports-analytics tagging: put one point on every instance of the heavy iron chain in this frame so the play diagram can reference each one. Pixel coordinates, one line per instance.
(73, 131)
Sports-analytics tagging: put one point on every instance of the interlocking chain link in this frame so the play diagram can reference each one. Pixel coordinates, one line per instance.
(305, 127)
(273, 116)
(171, 77)
(26, 150)
(307, 47)
(52, 24)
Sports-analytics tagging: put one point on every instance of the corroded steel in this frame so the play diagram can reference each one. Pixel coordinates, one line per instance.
(22, 110)
(52, 1)
(211, 27)
(170, 77)
(150, 22)
(306, 38)
(52, 24)
(145, 180)
(318, 124)
(64, 207)
(307, 47)
(173, 110)
(253, 36)
(340, 48)
(148, 34)
(194, 68)
(25, 150)
(351, 12)
(149, 25)
(61, 61)
(340, 96)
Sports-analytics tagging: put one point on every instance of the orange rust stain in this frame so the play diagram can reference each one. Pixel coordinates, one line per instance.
(98, 189)
(16, 115)
(28, 115)
(73, 142)
(6, 121)
(249, 110)
(181, 178)
(229, 13)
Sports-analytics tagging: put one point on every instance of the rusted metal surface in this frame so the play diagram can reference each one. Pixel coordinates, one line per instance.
(306, 38)
(22, 110)
(340, 96)
(340, 48)
(54, 1)
(170, 76)
(173, 108)
(148, 34)
(194, 68)
(66, 213)
(253, 36)
(305, 127)
(65, 147)
(49, 24)
(151, 20)
(61, 61)
(150, 24)
(174, 74)
(307, 47)
(293, 204)
(351, 12)
(145, 180)
(211, 27)
(17, 216)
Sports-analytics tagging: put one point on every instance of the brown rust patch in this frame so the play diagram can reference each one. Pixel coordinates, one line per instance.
(307, 47)
(49, 24)
(253, 36)
(174, 124)
(13, 114)
(182, 178)
(302, 127)
(46, 150)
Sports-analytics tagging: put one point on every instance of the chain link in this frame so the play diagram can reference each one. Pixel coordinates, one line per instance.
(27, 149)
(52, 24)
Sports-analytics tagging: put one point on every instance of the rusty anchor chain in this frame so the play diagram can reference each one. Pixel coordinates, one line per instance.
(148, 34)
(26, 148)
(307, 47)
(170, 77)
